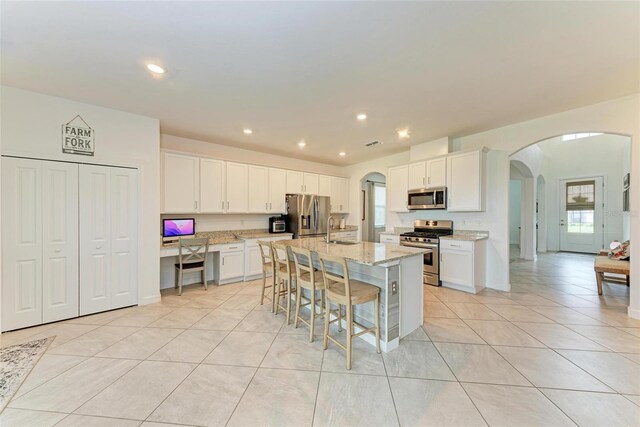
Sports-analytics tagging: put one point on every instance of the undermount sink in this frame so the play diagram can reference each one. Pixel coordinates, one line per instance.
(342, 242)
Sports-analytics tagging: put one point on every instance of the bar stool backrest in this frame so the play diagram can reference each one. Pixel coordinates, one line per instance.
(331, 278)
(192, 250)
(281, 258)
(266, 253)
(304, 263)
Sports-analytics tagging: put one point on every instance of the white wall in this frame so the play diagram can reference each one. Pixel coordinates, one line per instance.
(31, 127)
(430, 149)
(515, 188)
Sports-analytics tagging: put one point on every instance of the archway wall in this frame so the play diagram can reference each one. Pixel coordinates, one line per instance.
(618, 116)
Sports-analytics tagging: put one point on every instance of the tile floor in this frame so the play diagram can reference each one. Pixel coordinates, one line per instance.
(550, 352)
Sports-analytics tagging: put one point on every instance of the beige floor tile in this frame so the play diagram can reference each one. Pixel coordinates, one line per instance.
(437, 309)
(69, 390)
(278, 397)
(614, 370)
(433, 403)
(633, 398)
(609, 337)
(559, 336)
(334, 405)
(26, 418)
(143, 316)
(492, 299)
(416, 359)
(451, 330)
(566, 316)
(101, 318)
(595, 409)
(529, 300)
(49, 366)
(479, 363)
(207, 397)
(136, 394)
(632, 356)
(192, 346)
(241, 302)
(546, 368)
(503, 333)
(241, 349)
(94, 341)
(141, 344)
(451, 295)
(364, 359)
(22, 335)
(154, 424)
(473, 311)
(518, 313)
(180, 318)
(611, 316)
(292, 351)
(515, 406)
(261, 321)
(417, 335)
(221, 319)
(63, 332)
(89, 421)
(632, 331)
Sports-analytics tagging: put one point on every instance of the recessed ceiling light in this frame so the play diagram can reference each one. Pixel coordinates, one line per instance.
(156, 69)
(403, 133)
(362, 116)
(247, 131)
(342, 154)
(302, 144)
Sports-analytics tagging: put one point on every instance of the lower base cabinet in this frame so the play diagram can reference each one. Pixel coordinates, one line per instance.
(252, 257)
(231, 266)
(463, 264)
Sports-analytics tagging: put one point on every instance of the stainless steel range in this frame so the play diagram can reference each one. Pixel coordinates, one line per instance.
(426, 234)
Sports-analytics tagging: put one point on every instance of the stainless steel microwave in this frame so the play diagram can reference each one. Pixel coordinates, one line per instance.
(432, 198)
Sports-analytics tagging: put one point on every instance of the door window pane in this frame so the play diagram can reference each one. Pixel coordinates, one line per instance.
(380, 197)
(581, 195)
(580, 222)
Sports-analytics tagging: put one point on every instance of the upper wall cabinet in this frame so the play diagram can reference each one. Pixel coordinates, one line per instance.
(302, 182)
(277, 190)
(428, 174)
(258, 189)
(181, 182)
(311, 183)
(324, 186)
(238, 188)
(397, 188)
(417, 175)
(339, 195)
(213, 176)
(466, 180)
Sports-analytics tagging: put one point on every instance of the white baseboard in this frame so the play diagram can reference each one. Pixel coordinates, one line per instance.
(633, 313)
(151, 299)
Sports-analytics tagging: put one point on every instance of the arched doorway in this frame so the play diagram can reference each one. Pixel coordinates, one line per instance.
(373, 204)
(523, 200)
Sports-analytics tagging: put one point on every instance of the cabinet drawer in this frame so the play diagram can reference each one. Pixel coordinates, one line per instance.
(389, 238)
(232, 247)
(460, 245)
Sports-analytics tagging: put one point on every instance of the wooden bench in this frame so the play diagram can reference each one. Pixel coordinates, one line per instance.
(604, 264)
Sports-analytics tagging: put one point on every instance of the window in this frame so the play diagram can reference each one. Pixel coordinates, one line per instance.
(572, 136)
(580, 201)
(380, 198)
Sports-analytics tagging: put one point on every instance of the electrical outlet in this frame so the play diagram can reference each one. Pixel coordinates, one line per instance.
(394, 287)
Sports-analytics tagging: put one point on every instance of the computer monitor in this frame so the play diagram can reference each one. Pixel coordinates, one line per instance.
(174, 228)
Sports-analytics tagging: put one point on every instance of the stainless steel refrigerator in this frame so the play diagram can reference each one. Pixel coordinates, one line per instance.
(307, 215)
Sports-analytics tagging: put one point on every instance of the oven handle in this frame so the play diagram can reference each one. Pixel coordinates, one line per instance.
(427, 246)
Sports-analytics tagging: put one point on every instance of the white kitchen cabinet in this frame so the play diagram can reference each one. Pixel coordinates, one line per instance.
(324, 186)
(252, 257)
(417, 175)
(237, 188)
(277, 190)
(397, 188)
(39, 242)
(258, 189)
(390, 238)
(295, 182)
(466, 178)
(180, 182)
(339, 195)
(231, 266)
(436, 172)
(311, 183)
(462, 264)
(213, 175)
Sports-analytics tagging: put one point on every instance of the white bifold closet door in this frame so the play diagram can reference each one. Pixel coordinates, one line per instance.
(39, 242)
(108, 239)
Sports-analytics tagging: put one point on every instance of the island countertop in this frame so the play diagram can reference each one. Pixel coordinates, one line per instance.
(367, 253)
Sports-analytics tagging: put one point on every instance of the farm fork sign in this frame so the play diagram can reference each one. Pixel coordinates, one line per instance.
(77, 137)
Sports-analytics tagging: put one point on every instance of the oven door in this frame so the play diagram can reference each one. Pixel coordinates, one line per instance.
(431, 260)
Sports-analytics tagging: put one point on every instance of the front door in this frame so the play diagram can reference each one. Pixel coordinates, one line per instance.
(581, 222)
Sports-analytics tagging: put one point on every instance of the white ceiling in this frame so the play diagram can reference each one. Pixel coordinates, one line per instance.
(293, 71)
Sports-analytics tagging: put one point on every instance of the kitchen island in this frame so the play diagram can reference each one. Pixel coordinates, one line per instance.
(396, 270)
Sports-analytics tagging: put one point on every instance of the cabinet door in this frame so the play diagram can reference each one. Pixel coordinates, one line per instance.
(212, 186)
(180, 179)
(237, 188)
(258, 189)
(344, 195)
(311, 183)
(124, 237)
(59, 241)
(336, 194)
(252, 261)
(231, 265)
(277, 190)
(456, 267)
(95, 239)
(417, 174)
(397, 188)
(437, 172)
(21, 243)
(324, 186)
(463, 179)
(295, 181)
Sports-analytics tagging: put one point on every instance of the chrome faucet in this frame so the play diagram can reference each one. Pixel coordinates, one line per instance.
(330, 223)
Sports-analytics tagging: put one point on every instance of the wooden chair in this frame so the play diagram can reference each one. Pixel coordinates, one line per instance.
(266, 253)
(192, 256)
(311, 279)
(285, 277)
(348, 292)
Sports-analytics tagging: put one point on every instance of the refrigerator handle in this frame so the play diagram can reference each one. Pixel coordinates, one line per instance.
(316, 213)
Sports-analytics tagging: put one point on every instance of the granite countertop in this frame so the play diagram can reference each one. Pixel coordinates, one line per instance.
(255, 234)
(231, 236)
(467, 235)
(367, 253)
(347, 228)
